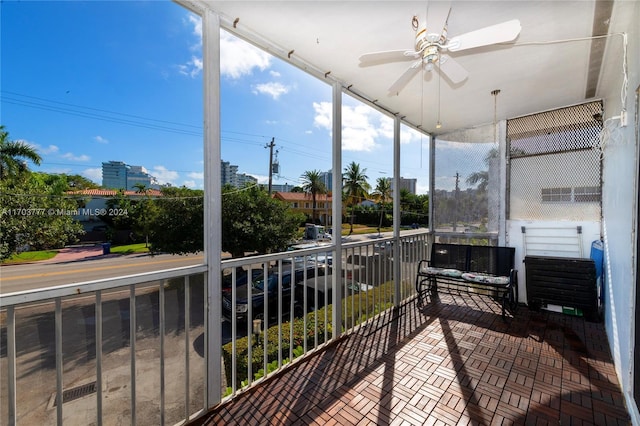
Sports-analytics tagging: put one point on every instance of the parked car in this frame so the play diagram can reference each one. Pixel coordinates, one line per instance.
(362, 271)
(409, 249)
(258, 287)
(359, 274)
(241, 278)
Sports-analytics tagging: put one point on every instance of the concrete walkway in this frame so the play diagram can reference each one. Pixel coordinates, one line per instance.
(69, 254)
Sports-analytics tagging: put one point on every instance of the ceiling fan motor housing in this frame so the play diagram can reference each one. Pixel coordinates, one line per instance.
(429, 44)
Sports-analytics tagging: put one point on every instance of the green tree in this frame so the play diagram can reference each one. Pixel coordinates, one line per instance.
(313, 185)
(124, 203)
(78, 182)
(36, 213)
(252, 221)
(13, 154)
(355, 187)
(479, 178)
(176, 225)
(382, 194)
(143, 212)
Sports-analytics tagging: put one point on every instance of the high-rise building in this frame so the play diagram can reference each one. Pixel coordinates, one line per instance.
(114, 175)
(327, 179)
(243, 179)
(408, 184)
(229, 176)
(278, 187)
(138, 175)
(118, 175)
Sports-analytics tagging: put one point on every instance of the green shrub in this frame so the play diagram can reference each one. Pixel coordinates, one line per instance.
(357, 308)
(300, 336)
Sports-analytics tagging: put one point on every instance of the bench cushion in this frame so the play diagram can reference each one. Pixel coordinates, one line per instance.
(445, 272)
(485, 279)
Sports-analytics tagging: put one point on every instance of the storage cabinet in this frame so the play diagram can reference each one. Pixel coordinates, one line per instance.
(562, 281)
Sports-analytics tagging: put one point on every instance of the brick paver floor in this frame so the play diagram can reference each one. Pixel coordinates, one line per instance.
(447, 361)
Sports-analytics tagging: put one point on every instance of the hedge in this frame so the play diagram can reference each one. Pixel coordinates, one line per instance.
(356, 309)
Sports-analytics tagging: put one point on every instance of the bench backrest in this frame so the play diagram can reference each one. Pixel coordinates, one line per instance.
(483, 259)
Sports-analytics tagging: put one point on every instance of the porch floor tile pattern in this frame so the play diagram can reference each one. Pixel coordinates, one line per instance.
(450, 360)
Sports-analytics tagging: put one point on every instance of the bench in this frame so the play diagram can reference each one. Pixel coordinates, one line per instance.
(461, 267)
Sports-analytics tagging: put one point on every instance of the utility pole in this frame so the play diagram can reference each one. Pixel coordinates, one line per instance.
(270, 146)
(457, 196)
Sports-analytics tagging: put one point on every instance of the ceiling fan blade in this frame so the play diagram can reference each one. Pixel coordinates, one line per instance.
(437, 15)
(499, 33)
(405, 77)
(376, 58)
(452, 69)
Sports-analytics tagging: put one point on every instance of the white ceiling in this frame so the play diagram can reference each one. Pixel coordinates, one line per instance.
(540, 70)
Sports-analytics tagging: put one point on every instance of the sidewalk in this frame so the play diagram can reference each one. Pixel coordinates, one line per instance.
(72, 254)
(69, 254)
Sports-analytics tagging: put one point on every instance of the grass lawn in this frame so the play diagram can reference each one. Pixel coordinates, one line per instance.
(130, 249)
(363, 229)
(35, 256)
(31, 256)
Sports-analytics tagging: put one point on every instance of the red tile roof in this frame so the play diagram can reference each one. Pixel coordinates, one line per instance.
(299, 196)
(113, 193)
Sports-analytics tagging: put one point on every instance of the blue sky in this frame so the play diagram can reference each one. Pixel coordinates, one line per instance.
(87, 82)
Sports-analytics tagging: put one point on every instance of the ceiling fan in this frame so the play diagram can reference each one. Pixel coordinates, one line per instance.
(432, 41)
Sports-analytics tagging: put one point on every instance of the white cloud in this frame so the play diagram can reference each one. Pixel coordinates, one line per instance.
(196, 21)
(72, 157)
(100, 139)
(261, 178)
(196, 175)
(192, 68)
(95, 174)
(275, 74)
(163, 175)
(238, 58)
(407, 134)
(189, 183)
(273, 89)
(51, 149)
(362, 126)
(323, 115)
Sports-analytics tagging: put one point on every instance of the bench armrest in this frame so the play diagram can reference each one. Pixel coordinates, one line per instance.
(423, 264)
(513, 277)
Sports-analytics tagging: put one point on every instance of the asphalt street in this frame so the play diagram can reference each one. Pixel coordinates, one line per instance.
(48, 274)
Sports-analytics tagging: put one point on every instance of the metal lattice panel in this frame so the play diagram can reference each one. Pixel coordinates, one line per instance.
(555, 164)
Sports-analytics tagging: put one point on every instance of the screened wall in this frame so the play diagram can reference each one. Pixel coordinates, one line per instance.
(466, 182)
(555, 164)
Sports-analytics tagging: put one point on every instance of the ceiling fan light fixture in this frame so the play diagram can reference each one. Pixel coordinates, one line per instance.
(432, 39)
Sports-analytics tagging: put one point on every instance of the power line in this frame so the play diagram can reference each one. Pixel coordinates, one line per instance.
(102, 110)
(147, 122)
(93, 116)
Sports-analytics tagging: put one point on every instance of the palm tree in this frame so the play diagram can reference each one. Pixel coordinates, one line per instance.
(355, 186)
(482, 178)
(12, 155)
(382, 194)
(140, 188)
(313, 185)
(479, 178)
